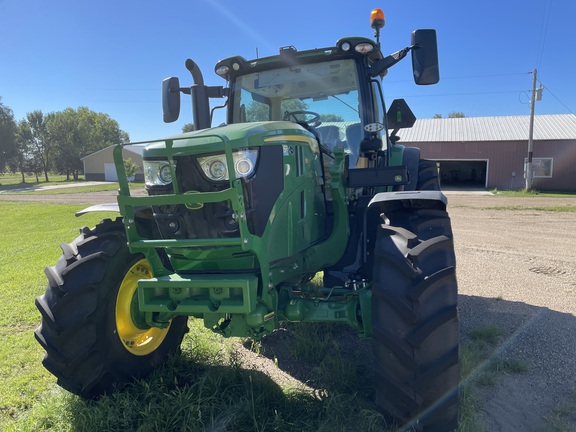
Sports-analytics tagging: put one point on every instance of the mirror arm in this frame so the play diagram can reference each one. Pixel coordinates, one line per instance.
(381, 66)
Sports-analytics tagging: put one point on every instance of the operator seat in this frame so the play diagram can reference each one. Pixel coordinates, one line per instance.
(329, 136)
(353, 138)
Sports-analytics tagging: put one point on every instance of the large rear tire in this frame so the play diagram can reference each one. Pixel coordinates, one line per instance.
(415, 322)
(428, 175)
(93, 336)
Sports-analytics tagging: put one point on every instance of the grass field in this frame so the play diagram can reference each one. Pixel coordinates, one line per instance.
(210, 386)
(8, 181)
(534, 193)
(31, 234)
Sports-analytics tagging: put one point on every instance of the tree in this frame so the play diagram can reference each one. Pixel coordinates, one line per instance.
(130, 168)
(331, 118)
(8, 149)
(34, 138)
(453, 114)
(57, 141)
(78, 133)
(64, 134)
(23, 160)
(188, 127)
(258, 111)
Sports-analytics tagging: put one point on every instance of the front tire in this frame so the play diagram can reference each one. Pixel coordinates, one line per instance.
(414, 319)
(93, 338)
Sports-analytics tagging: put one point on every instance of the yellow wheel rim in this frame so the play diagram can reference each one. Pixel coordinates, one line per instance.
(136, 340)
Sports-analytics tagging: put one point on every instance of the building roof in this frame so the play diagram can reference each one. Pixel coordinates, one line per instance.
(138, 149)
(505, 128)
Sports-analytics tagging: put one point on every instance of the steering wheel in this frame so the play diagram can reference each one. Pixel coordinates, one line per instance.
(309, 118)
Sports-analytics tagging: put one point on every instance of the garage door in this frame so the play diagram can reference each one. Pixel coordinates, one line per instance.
(110, 172)
(463, 173)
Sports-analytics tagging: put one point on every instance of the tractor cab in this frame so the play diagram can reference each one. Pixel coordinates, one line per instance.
(333, 92)
(319, 90)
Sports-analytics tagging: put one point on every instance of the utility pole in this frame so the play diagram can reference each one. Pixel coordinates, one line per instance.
(531, 135)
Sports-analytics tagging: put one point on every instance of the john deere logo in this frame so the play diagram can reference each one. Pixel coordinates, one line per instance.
(398, 178)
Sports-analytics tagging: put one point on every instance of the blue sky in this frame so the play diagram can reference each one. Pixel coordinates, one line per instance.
(111, 56)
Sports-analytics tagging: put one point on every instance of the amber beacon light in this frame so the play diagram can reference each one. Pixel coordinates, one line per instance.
(377, 19)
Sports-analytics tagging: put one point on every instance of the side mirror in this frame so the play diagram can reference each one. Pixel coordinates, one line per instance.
(171, 99)
(399, 115)
(425, 57)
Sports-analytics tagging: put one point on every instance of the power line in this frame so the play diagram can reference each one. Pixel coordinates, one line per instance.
(485, 76)
(556, 97)
(543, 32)
(465, 77)
(463, 94)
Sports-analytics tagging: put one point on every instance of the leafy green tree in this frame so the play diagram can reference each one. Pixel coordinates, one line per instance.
(27, 160)
(291, 105)
(453, 114)
(78, 133)
(63, 132)
(258, 111)
(131, 168)
(8, 148)
(188, 127)
(23, 161)
(34, 138)
(331, 118)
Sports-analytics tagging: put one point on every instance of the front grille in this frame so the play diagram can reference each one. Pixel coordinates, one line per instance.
(203, 221)
(217, 220)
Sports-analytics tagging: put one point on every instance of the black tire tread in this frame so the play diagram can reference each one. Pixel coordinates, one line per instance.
(78, 326)
(415, 320)
(427, 175)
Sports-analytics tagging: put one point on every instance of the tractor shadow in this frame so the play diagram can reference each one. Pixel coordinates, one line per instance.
(310, 377)
(528, 373)
(327, 358)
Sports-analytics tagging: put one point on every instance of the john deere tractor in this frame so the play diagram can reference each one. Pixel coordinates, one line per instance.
(306, 178)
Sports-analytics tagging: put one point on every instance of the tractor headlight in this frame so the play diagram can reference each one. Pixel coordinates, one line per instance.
(157, 173)
(216, 168)
(164, 174)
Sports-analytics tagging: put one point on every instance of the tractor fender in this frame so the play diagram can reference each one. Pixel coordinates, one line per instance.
(107, 207)
(384, 201)
(410, 158)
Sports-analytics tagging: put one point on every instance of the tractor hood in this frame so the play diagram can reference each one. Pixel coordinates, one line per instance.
(237, 135)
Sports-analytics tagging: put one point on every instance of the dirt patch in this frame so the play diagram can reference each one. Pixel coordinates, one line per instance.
(517, 270)
(82, 199)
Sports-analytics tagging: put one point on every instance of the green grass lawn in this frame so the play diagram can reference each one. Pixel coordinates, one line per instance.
(14, 181)
(30, 237)
(535, 193)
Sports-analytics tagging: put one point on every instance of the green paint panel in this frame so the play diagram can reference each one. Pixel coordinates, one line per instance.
(197, 294)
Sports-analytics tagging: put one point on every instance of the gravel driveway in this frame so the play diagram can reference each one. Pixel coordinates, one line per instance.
(516, 270)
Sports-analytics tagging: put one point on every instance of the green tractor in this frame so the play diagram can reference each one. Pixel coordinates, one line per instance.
(305, 177)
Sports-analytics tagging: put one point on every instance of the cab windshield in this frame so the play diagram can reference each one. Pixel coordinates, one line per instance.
(324, 95)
